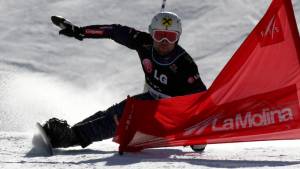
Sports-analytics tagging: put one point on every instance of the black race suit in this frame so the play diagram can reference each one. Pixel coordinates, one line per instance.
(165, 76)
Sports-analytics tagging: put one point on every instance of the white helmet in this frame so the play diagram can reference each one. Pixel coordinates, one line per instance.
(165, 21)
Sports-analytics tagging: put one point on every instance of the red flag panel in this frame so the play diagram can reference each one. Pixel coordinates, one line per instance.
(255, 97)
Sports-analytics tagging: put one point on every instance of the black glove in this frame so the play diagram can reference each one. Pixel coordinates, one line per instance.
(74, 32)
(67, 28)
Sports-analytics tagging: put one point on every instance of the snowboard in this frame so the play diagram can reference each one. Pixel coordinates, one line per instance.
(46, 144)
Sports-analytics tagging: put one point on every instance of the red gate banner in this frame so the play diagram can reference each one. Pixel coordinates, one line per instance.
(254, 98)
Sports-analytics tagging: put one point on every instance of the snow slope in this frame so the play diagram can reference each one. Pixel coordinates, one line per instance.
(18, 153)
(44, 75)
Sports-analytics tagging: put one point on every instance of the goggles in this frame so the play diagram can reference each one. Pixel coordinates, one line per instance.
(170, 36)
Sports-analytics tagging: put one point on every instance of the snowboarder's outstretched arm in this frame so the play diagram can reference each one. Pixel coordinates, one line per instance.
(122, 34)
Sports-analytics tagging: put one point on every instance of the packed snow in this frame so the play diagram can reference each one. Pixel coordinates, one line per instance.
(44, 75)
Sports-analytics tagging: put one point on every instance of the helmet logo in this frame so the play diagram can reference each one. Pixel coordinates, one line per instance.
(167, 22)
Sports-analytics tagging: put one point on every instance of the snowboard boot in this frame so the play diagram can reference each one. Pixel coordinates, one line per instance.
(198, 148)
(60, 134)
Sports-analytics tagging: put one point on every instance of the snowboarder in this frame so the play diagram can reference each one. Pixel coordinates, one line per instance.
(169, 71)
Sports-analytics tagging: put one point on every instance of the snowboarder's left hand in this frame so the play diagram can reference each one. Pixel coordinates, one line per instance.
(74, 32)
(67, 28)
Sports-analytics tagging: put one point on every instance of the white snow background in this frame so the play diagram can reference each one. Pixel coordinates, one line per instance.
(43, 75)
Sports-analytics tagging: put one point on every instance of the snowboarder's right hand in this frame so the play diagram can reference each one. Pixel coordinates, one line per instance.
(67, 28)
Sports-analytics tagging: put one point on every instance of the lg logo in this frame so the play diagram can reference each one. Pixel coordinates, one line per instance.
(161, 77)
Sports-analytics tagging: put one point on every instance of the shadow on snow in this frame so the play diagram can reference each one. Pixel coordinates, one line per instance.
(157, 155)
